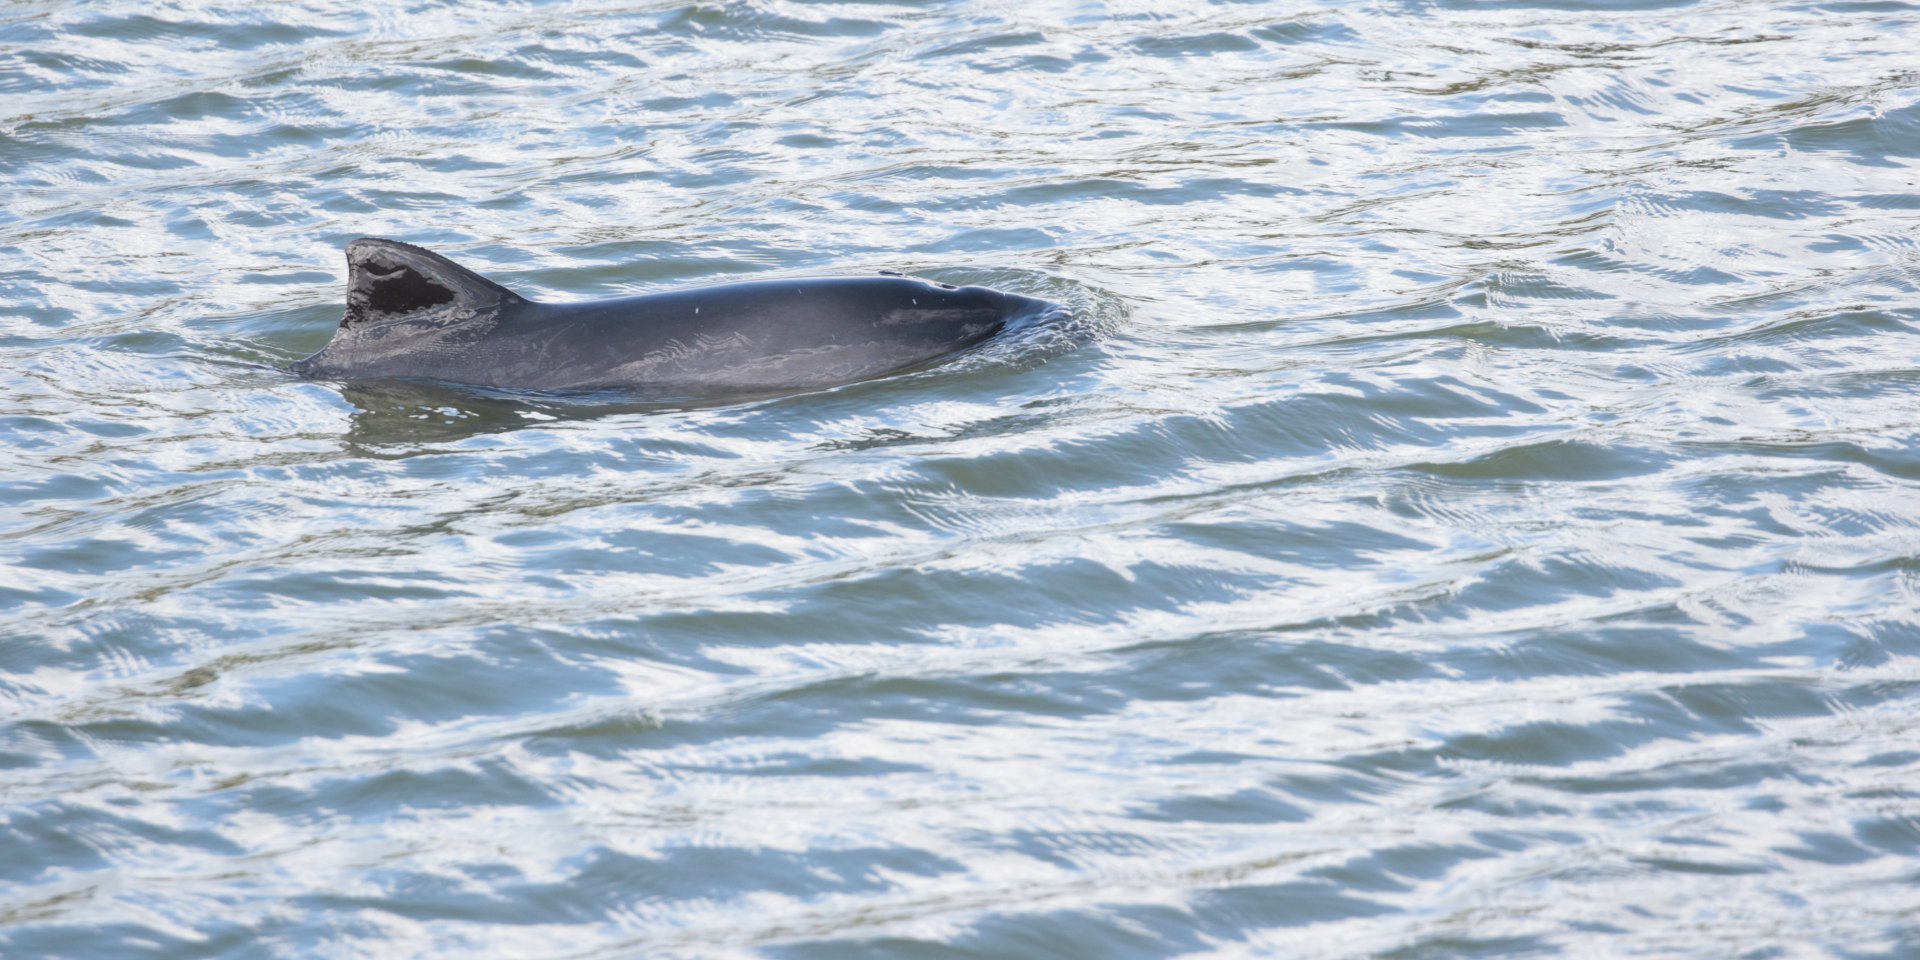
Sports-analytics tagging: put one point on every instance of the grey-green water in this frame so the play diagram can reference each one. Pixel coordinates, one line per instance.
(1476, 510)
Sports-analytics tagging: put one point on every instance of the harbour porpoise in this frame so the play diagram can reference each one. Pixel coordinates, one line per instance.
(414, 313)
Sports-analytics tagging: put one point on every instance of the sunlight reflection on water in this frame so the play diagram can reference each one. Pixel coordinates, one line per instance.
(1476, 515)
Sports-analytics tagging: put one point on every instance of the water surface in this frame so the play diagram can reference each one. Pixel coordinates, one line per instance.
(1476, 511)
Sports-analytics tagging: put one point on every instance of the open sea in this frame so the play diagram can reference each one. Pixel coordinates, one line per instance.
(1474, 510)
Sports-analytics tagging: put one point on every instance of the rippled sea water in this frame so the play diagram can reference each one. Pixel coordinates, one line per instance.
(1475, 511)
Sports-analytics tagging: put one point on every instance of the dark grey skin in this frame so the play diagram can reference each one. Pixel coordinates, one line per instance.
(413, 313)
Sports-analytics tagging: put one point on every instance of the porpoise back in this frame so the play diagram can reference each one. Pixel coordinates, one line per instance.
(413, 313)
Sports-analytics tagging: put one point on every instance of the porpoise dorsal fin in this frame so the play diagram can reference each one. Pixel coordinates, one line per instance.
(389, 280)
